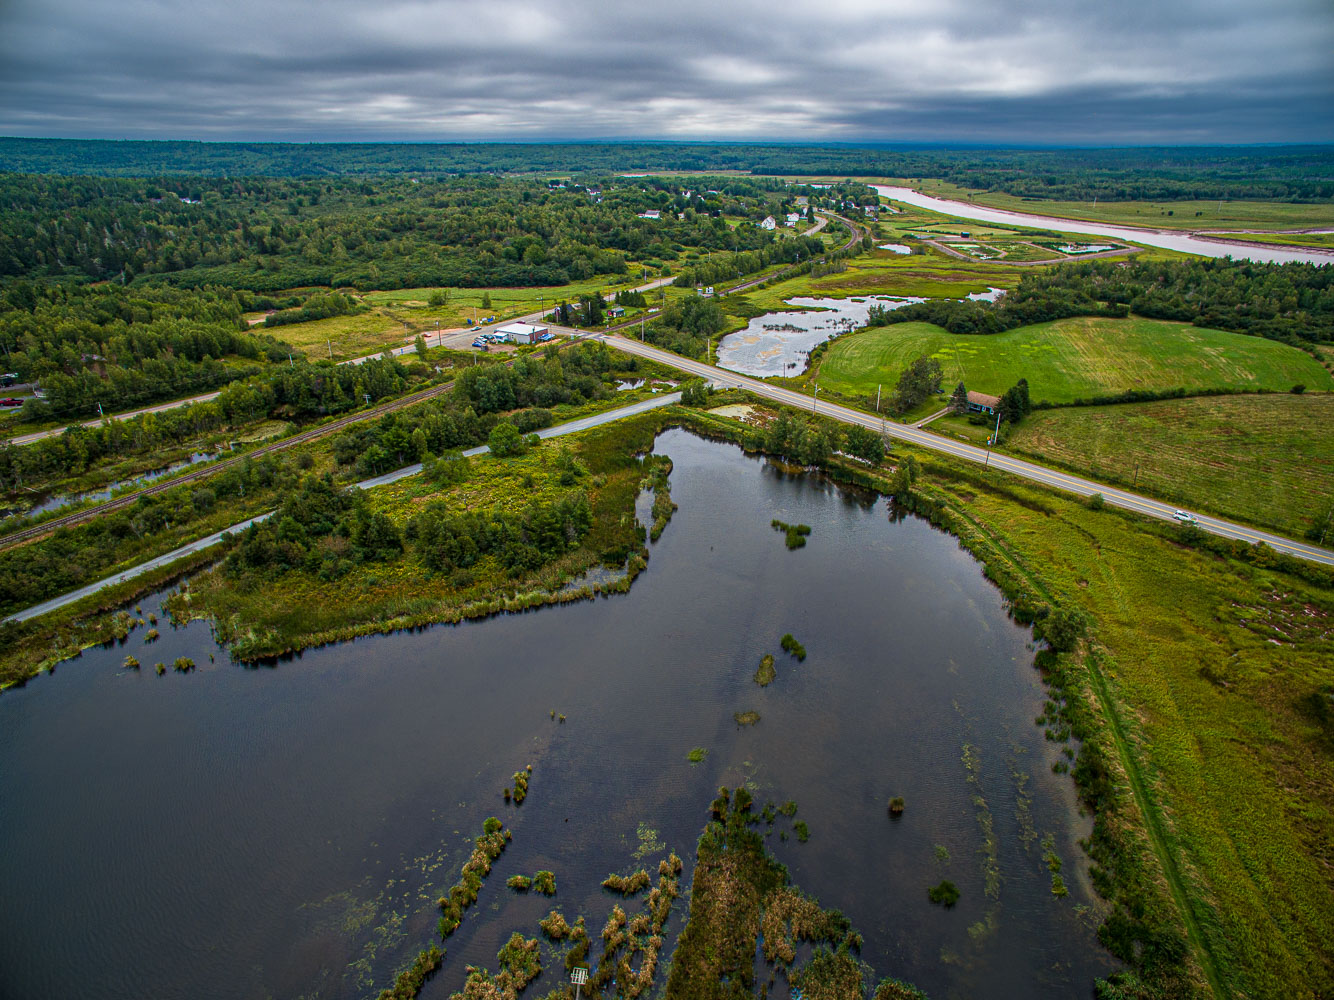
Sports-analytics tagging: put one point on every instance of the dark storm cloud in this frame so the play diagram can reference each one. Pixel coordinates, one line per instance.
(980, 70)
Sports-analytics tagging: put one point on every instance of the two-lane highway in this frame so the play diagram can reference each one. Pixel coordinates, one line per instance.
(958, 449)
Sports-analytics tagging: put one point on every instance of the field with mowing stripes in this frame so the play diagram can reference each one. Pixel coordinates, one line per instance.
(1069, 359)
(1268, 460)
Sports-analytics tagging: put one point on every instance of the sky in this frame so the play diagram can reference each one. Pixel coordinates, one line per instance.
(985, 71)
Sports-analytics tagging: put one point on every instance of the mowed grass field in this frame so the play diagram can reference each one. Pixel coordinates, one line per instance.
(1268, 460)
(1079, 358)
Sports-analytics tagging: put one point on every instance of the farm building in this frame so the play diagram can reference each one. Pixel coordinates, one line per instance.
(980, 402)
(522, 333)
(652, 213)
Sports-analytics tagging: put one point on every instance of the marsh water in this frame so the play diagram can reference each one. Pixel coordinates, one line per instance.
(778, 343)
(285, 830)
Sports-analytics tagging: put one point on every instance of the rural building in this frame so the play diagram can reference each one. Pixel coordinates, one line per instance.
(522, 333)
(980, 402)
(616, 312)
(792, 218)
(652, 213)
(768, 223)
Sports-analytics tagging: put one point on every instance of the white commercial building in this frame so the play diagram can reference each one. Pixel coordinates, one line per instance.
(523, 333)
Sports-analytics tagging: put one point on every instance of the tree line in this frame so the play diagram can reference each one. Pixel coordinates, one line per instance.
(1287, 173)
(1292, 303)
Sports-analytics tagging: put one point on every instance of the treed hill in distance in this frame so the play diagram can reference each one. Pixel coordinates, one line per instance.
(1272, 173)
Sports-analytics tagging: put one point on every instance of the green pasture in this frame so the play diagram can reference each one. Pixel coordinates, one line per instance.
(1082, 357)
(1267, 460)
(1319, 241)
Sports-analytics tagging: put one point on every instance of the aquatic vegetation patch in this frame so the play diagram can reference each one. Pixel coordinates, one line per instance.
(628, 885)
(519, 883)
(896, 806)
(131, 663)
(697, 755)
(765, 672)
(742, 899)
(519, 966)
(554, 926)
(183, 664)
(663, 508)
(746, 718)
(413, 978)
(521, 779)
(545, 883)
(463, 894)
(792, 647)
(894, 989)
(795, 533)
(946, 893)
(802, 831)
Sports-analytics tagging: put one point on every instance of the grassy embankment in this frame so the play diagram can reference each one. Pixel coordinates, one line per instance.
(1215, 678)
(1261, 459)
(1078, 358)
(1187, 215)
(1319, 241)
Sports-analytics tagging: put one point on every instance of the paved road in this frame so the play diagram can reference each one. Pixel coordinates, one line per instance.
(958, 449)
(571, 427)
(57, 431)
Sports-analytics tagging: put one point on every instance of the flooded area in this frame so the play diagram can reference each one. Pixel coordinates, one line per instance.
(49, 502)
(896, 247)
(285, 830)
(779, 343)
(1170, 240)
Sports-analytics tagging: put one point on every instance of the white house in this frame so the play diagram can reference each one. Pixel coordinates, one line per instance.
(522, 333)
(769, 223)
(652, 213)
(792, 218)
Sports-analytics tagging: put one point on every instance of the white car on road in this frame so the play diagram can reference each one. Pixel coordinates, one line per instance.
(1183, 517)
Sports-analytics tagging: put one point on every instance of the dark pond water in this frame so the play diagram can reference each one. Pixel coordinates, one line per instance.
(55, 501)
(284, 831)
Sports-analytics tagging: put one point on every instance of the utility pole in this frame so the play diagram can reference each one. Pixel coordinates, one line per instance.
(330, 348)
(877, 398)
(814, 398)
(993, 440)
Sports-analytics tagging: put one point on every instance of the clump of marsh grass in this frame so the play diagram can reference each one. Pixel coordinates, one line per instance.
(795, 533)
(765, 672)
(519, 883)
(697, 755)
(792, 647)
(628, 885)
(896, 806)
(802, 831)
(131, 663)
(746, 718)
(545, 883)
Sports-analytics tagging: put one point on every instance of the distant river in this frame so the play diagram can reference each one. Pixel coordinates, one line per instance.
(1152, 237)
(285, 830)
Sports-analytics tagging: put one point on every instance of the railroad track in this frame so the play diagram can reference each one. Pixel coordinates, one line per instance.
(314, 433)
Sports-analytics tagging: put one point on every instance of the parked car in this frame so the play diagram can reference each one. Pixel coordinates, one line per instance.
(479, 343)
(11, 401)
(1183, 517)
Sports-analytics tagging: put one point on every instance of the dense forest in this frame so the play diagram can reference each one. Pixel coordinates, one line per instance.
(1283, 173)
(269, 234)
(1293, 303)
(127, 347)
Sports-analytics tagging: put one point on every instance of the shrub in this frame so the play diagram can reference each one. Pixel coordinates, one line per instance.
(896, 806)
(519, 883)
(946, 894)
(1097, 502)
(765, 673)
(132, 663)
(790, 645)
(184, 664)
(545, 883)
(802, 831)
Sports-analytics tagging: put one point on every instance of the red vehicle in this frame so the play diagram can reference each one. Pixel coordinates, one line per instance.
(11, 401)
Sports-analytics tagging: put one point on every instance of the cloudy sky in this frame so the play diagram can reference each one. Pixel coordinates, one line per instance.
(1040, 71)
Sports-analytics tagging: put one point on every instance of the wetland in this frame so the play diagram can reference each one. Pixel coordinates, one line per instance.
(287, 829)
